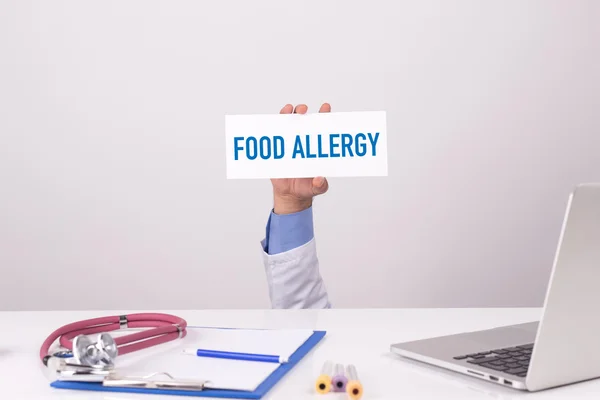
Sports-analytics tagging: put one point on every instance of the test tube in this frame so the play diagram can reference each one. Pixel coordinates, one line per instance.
(339, 379)
(323, 384)
(353, 387)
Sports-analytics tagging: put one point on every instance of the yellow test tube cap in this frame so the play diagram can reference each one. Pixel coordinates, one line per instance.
(323, 383)
(354, 388)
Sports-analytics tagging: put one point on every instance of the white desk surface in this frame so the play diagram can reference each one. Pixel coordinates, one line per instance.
(361, 337)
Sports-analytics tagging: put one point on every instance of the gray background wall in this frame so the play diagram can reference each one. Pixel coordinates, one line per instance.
(112, 166)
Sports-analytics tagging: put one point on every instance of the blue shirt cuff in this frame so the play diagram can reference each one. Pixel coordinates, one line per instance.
(288, 231)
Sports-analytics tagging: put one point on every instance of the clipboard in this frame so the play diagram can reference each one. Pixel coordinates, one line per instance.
(258, 393)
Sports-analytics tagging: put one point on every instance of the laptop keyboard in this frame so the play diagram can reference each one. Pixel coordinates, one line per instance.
(511, 360)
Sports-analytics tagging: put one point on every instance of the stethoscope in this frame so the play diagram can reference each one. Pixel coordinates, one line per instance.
(89, 351)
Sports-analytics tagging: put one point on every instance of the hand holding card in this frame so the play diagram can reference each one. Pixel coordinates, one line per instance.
(291, 195)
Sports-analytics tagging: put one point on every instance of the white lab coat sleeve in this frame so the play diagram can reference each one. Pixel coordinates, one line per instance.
(294, 278)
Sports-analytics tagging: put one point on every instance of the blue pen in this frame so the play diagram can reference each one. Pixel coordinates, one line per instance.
(236, 356)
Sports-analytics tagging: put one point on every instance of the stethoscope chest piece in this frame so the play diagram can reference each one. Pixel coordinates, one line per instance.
(100, 353)
(92, 361)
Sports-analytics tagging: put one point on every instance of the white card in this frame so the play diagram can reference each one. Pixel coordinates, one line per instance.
(332, 144)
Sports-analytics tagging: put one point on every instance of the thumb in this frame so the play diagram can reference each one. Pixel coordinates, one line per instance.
(319, 185)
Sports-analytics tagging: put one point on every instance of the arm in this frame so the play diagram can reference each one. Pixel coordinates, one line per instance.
(289, 249)
(291, 263)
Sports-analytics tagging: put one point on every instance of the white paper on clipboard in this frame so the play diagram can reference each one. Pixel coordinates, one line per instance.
(221, 373)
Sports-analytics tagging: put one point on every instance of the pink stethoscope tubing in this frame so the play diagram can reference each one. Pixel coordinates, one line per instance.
(164, 328)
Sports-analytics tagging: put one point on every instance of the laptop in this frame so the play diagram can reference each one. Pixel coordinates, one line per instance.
(563, 347)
